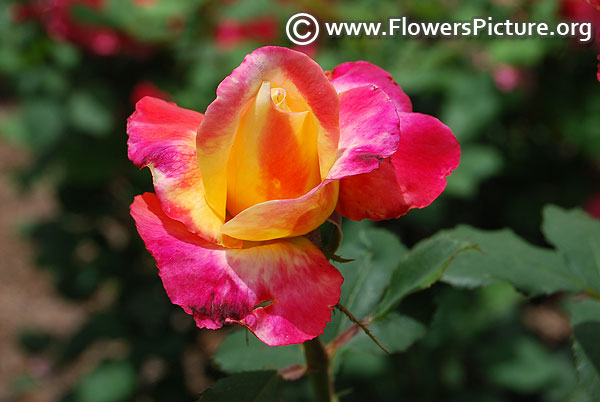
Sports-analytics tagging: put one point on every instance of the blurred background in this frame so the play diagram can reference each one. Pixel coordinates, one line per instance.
(83, 316)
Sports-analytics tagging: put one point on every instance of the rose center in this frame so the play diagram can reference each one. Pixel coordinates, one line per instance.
(274, 155)
(278, 95)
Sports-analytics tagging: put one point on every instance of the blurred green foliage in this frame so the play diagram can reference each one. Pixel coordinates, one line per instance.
(461, 339)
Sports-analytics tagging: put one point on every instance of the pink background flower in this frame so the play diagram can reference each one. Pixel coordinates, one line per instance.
(57, 17)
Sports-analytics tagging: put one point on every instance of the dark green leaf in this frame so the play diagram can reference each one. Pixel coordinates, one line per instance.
(420, 268)
(376, 252)
(504, 256)
(235, 355)
(585, 319)
(577, 237)
(251, 386)
(395, 332)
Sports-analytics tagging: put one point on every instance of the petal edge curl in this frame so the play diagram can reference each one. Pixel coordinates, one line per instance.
(369, 131)
(285, 218)
(162, 136)
(413, 178)
(223, 286)
(358, 73)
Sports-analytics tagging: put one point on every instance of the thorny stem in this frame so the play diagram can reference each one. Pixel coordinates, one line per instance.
(317, 363)
(361, 325)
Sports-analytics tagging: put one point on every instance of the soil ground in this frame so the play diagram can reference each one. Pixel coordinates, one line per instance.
(28, 300)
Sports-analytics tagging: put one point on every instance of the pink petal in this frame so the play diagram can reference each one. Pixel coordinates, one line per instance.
(595, 4)
(285, 218)
(300, 76)
(162, 136)
(376, 195)
(369, 131)
(223, 286)
(413, 178)
(355, 74)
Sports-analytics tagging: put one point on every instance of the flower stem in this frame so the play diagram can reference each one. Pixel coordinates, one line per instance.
(317, 362)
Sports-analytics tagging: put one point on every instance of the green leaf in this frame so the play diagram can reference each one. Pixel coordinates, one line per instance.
(420, 268)
(251, 386)
(376, 253)
(585, 319)
(235, 355)
(109, 382)
(395, 332)
(577, 237)
(506, 257)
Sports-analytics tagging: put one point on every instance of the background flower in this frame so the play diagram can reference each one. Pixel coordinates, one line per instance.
(58, 17)
(231, 32)
(584, 11)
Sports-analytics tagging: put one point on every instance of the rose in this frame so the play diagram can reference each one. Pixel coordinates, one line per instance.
(592, 205)
(146, 88)
(280, 149)
(594, 3)
(60, 23)
(584, 11)
(231, 32)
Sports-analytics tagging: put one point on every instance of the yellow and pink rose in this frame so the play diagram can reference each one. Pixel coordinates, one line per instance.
(283, 146)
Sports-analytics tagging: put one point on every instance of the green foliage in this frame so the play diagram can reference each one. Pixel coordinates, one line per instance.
(375, 254)
(577, 239)
(503, 256)
(420, 268)
(242, 351)
(572, 267)
(396, 332)
(585, 318)
(109, 382)
(253, 386)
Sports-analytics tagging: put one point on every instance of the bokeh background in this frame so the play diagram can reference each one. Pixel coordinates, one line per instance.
(83, 316)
